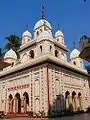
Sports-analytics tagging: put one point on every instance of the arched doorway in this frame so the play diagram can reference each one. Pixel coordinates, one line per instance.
(17, 103)
(25, 102)
(67, 97)
(74, 101)
(10, 103)
(79, 101)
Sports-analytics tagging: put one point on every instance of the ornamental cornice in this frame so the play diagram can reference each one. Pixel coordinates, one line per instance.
(42, 59)
(35, 41)
(28, 44)
(61, 45)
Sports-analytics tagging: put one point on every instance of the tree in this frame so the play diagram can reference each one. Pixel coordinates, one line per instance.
(2, 53)
(13, 43)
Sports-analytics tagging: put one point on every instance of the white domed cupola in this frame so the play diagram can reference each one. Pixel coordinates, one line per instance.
(42, 25)
(26, 36)
(74, 54)
(75, 59)
(10, 56)
(59, 36)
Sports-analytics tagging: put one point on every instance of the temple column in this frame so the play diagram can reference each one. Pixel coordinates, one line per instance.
(15, 105)
(80, 103)
(25, 105)
(8, 106)
(11, 106)
(22, 105)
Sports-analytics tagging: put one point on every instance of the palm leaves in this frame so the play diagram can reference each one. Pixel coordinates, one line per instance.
(2, 53)
(13, 43)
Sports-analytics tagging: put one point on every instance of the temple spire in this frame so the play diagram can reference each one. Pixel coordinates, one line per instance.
(43, 11)
(26, 27)
(74, 44)
(58, 27)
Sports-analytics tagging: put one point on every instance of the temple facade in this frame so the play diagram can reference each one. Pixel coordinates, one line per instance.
(42, 79)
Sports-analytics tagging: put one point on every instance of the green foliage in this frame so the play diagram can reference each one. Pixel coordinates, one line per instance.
(1, 54)
(13, 43)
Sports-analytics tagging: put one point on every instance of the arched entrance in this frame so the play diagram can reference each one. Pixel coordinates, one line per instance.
(80, 101)
(25, 102)
(17, 103)
(67, 97)
(10, 103)
(74, 101)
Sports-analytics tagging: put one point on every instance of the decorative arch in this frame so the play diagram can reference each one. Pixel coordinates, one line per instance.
(10, 97)
(73, 94)
(10, 103)
(67, 99)
(67, 94)
(17, 103)
(25, 101)
(74, 101)
(80, 101)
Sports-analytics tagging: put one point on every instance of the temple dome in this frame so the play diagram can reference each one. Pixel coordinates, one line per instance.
(10, 54)
(59, 33)
(41, 22)
(45, 35)
(27, 33)
(74, 54)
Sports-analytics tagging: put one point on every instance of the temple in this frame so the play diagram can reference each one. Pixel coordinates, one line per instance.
(43, 79)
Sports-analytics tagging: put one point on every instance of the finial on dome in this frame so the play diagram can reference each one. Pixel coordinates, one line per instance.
(74, 44)
(26, 27)
(58, 27)
(43, 11)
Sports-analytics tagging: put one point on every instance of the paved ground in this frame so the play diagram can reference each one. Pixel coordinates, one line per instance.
(76, 117)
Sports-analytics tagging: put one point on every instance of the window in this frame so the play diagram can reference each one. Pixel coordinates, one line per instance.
(57, 39)
(45, 29)
(62, 55)
(31, 53)
(12, 64)
(28, 39)
(74, 63)
(37, 33)
(50, 47)
(56, 53)
(41, 48)
(40, 30)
